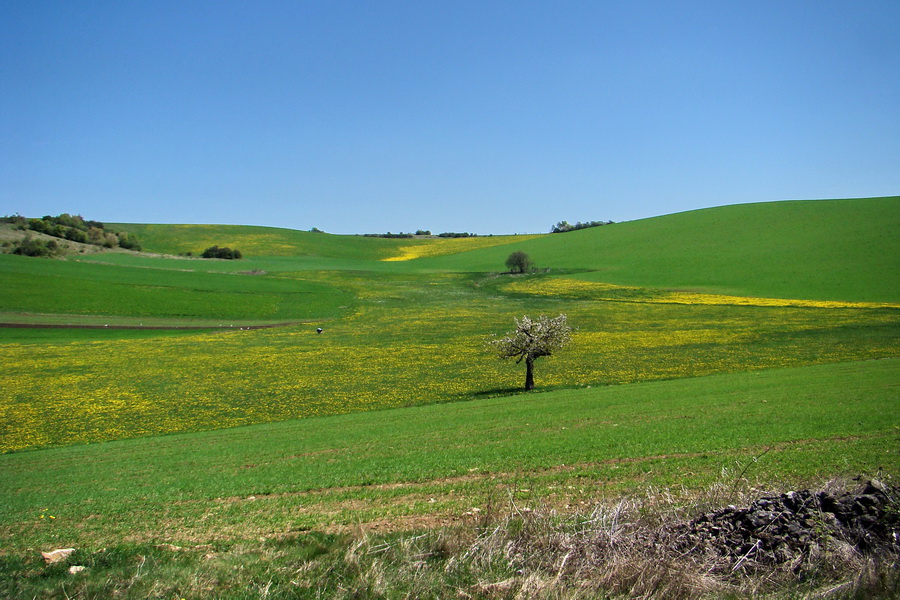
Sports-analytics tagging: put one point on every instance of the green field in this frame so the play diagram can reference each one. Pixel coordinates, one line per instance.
(309, 473)
(702, 340)
(58, 287)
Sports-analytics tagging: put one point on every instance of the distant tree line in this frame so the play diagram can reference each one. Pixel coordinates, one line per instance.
(564, 226)
(76, 228)
(389, 235)
(226, 253)
(453, 234)
(420, 233)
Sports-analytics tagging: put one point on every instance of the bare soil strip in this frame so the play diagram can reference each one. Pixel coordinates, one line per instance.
(163, 327)
(160, 327)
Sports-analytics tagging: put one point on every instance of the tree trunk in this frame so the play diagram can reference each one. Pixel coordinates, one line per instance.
(529, 373)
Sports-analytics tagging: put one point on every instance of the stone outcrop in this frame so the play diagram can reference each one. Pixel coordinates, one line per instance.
(796, 526)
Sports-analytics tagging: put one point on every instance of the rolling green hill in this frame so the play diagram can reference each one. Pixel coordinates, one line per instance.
(276, 242)
(258, 241)
(819, 250)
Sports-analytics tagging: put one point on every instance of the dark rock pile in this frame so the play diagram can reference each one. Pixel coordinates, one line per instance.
(792, 527)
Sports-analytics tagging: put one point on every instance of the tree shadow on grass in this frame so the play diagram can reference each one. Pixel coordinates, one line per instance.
(482, 395)
(506, 391)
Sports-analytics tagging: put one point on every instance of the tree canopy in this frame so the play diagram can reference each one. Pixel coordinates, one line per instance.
(531, 339)
(226, 253)
(518, 262)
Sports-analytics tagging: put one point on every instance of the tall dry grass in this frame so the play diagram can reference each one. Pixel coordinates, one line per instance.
(627, 549)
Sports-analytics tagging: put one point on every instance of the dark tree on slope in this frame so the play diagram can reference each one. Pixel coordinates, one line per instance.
(532, 339)
(226, 253)
(518, 262)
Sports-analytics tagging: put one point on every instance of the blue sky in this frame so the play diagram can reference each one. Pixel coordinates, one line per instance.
(489, 117)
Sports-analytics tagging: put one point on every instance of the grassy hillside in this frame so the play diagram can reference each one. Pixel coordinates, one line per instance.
(821, 250)
(818, 250)
(272, 241)
(257, 241)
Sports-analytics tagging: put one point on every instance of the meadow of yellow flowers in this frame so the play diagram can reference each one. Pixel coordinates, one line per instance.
(411, 340)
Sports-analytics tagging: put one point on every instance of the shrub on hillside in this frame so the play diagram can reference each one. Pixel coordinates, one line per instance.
(34, 247)
(225, 252)
(518, 262)
(77, 229)
(129, 242)
(18, 220)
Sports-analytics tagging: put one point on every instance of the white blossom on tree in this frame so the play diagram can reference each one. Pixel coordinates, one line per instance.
(531, 339)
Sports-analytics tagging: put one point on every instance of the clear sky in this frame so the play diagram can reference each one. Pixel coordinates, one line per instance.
(482, 116)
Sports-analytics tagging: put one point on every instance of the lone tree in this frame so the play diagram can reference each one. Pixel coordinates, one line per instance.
(518, 262)
(532, 339)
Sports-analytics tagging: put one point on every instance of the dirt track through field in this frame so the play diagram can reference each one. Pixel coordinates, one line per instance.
(159, 327)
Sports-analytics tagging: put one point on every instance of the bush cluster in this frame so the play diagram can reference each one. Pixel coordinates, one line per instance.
(519, 262)
(76, 228)
(226, 253)
(33, 247)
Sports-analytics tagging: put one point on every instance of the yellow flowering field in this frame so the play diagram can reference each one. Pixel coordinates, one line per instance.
(441, 246)
(577, 288)
(411, 340)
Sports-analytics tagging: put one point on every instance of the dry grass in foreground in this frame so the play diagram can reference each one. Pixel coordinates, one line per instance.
(838, 542)
(831, 543)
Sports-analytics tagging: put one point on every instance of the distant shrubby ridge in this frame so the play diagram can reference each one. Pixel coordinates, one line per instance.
(389, 235)
(453, 234)
(74, 228)
(564, 226)
(420, 233)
